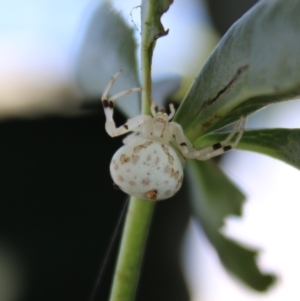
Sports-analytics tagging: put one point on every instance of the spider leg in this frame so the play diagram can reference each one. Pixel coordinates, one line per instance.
(153, 108)
(182, 141)
(129, 138)
(109, 85)
(216, 149)
(132, 125)
(223, 146)
(172, 109)
(108, 105)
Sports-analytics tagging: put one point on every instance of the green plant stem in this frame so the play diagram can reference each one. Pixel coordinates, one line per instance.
(140, 212)
(147, 81)
(131, 252)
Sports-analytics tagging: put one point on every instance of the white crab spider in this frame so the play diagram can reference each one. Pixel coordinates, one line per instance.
(147, 166)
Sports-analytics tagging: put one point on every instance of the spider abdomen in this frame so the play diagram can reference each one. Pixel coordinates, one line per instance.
(147, 169)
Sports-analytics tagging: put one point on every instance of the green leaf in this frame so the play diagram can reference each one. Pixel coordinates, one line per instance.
(107, 47)
(255, 64)
(214, 198)
(241, 261)
(282, 144)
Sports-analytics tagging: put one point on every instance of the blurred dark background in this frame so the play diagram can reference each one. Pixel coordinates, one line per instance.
(59, 207)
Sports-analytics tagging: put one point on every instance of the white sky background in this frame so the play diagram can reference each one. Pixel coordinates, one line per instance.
(37, 47)
(37, 44)
(38, 34)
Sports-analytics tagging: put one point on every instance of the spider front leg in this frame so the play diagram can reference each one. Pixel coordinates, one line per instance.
(212, 151)
(225, 145)
(182, 141)
(108, 105)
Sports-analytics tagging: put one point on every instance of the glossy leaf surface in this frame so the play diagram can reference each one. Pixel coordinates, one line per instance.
(255, 64)
(282, 144)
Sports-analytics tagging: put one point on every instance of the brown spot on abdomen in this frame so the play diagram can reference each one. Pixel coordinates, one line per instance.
(124, 159)
(170, 158)
(168, 192)
(179, 182)
(146, 182)
(135, 159)
(174, 174)
(152, 195)
(167, 169)
(141, 146)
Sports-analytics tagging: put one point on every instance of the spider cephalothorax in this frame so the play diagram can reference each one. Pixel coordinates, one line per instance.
(147, 165)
